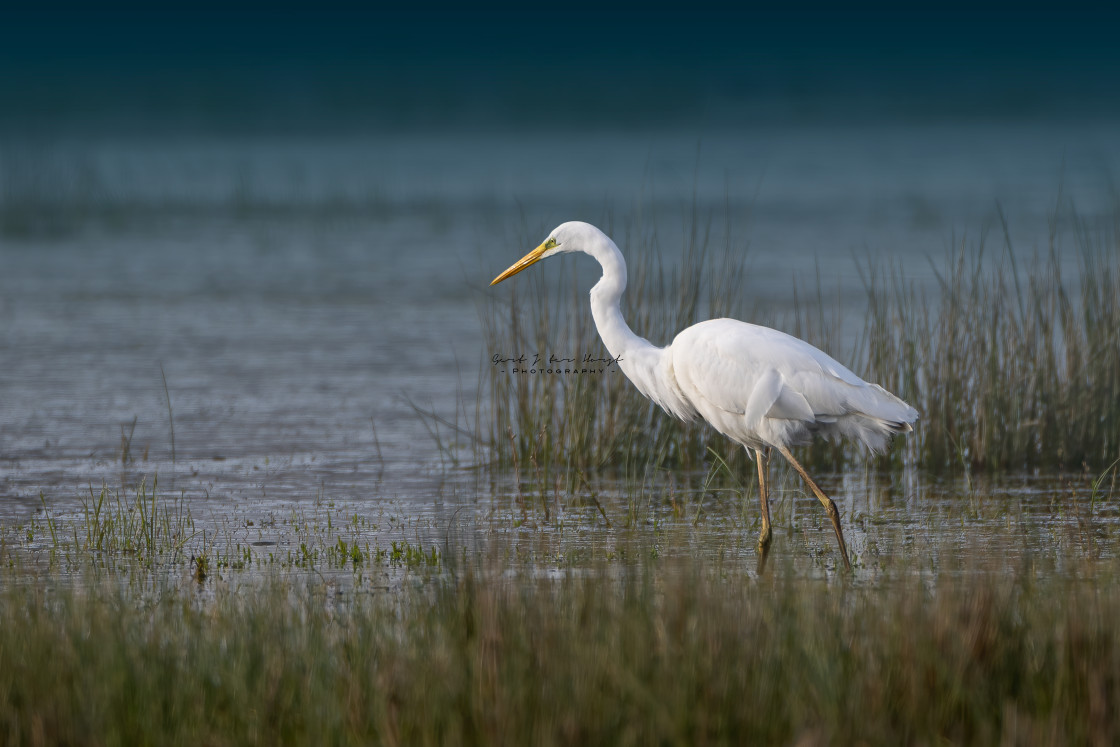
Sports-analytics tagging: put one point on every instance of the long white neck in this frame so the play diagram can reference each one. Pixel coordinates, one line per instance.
(645, 364)
(620, 340)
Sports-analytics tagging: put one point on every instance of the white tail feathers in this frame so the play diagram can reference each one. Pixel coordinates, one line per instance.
(876, 415)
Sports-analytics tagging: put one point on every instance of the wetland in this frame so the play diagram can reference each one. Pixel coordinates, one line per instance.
(263, 479)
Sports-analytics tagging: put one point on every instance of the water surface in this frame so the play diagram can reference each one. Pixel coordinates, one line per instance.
(303, 297)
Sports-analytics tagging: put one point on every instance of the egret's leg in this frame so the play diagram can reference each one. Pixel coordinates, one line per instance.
(764, 497)
(827, 502)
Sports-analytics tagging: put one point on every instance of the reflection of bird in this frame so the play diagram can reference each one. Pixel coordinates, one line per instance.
(760, 387)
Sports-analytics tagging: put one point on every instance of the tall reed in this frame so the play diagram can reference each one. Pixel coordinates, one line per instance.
(1013, 368)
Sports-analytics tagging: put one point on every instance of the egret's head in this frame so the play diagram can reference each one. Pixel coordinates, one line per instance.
(567, 237)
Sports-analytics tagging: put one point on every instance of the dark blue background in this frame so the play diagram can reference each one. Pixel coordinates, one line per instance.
(285, 68)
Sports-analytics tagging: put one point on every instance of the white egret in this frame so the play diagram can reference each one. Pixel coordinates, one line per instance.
(759, 387)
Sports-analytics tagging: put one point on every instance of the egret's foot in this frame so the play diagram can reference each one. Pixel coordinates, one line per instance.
(764, 536)
(763, 554)
(834, 514)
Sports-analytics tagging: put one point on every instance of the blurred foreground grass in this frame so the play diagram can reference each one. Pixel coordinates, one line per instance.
(637, 656)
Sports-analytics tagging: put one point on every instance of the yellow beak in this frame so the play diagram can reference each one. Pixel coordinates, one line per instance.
(530, 258)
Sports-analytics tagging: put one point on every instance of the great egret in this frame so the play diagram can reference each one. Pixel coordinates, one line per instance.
(759, 387)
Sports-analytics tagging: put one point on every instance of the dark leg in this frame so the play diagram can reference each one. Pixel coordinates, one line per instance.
(829, 506)
(764, 534)
(764, 497)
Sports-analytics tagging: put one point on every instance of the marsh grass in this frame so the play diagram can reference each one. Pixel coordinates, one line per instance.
(1013, 368)
(145, 530)
(1013, 362)
(142, 525)
(636, 656)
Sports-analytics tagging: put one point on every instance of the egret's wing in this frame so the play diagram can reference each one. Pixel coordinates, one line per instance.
(760, 372)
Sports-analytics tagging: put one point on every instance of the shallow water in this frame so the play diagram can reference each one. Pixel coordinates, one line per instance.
(305, 298)
(897, 528)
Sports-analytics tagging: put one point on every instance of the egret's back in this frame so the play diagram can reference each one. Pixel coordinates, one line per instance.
(765, 388)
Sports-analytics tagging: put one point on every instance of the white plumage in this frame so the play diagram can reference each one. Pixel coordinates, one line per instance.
(760, 387)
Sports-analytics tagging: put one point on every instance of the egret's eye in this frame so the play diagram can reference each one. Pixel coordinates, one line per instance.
(550, 244)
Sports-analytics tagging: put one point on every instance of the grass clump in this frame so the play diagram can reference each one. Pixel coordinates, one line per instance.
(146, 526)
(143, 532)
